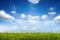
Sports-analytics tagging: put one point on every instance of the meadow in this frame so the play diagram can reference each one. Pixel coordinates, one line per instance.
(29, 36)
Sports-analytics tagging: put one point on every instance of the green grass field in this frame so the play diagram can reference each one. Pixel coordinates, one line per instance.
(29, 36)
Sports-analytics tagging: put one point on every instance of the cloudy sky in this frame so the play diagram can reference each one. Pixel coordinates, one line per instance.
(29, 16)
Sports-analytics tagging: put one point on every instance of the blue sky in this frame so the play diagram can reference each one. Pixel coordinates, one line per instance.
(29, 16)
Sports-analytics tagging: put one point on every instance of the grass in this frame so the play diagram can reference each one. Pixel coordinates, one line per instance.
(29, 36)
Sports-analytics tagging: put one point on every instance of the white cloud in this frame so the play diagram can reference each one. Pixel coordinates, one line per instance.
(57, 19)
(34, 1)
(14, 28)
(3, 28)
(8, 28)
(22, 15)
(24, 25)
(5, 16)
(52, 13)
(56, 29)
(25, 28)
(13, 12)
(33, 19)
(31, 23)
(44, 16)
(48, 23)
(51, 8)
(28, 18)
(13, 9)
(34, 28)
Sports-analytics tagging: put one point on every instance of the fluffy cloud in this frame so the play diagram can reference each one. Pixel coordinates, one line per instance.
(22, 15)
(44, 16)
(51, 8)
(13, 9)
(52, 13)
(5, 16)
(48, 23)
(33, 19)
(57, 19)
(34, 28)
(8, 28)
(30, 24)
(33, 24)
(13, 12)
(28, 18)
(34, 1)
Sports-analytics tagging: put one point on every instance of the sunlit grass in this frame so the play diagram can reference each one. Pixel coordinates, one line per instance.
(29, 36)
